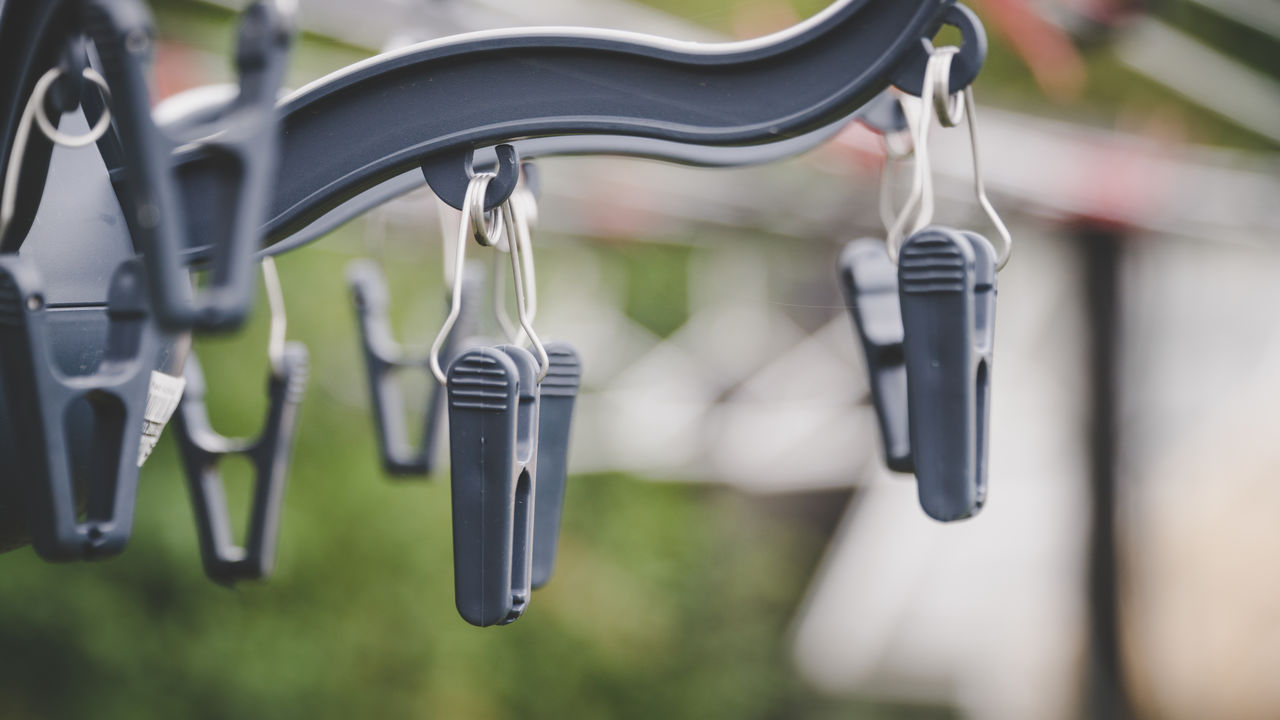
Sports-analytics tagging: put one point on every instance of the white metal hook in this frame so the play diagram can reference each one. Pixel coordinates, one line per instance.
(476, 187)
(894, 158)
(980, 188)
(951, 109)
(486, 226)
(523, 206)
(920, 200)
(520, 249)
(279, 318)
(34, 111)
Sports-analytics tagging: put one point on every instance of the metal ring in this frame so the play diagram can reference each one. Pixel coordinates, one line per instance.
(948, 106)
(486, 227)
(52, 132)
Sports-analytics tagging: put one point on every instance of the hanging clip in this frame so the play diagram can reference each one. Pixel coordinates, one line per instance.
(384, 356)
(928, 329)
(869, 281)
(557, 393)
(557, 390)
(222, 170)
(493, 438)
(46, 403)
(951, 109)
(202, 449)
(493, 428)
(450, 174)
(947, 288)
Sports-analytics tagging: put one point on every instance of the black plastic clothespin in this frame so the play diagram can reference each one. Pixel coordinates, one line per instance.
(869, 281)
(203, 448)
(208, 182)
(45, 401)
(947, 290)
(493, 438)
(558, 388)
(557, 392)
(384, 357)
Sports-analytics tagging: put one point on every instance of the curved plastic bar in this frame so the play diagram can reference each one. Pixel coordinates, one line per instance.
(621, 145)
(377, 119)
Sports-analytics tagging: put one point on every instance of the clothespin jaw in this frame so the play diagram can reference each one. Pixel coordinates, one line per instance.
(869, 281)
(383, 356)
(493, 437)
(221, 170)
(557, 393)
(46, 404)
(947, 291)
(202, 449)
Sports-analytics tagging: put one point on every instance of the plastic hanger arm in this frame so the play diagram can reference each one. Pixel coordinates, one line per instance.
(374, 120)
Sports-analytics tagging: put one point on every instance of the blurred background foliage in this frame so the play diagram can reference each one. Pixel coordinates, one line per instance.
(671, 600)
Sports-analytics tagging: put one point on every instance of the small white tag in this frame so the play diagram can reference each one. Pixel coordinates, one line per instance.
(162, 400)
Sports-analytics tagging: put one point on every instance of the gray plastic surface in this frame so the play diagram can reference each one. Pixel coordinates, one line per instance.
(202, 449)
(227, 169)
(76, 424)
(493, 441)
(384, 356)
(947, 291)
(557, 393)
(869, 281)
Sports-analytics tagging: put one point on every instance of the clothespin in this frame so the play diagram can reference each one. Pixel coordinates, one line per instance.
(495, 416)
(206, 184)
(558, 389)
(45, 400)
(384, 356)
(869, 281)
(202, 449)
(493, 438)
(928, 330)
(947, 290)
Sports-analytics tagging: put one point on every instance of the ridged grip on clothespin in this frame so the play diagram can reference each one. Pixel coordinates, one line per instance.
(947, 291)
(493, 440)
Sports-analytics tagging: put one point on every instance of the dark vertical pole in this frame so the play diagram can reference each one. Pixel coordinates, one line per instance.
(1108, 696)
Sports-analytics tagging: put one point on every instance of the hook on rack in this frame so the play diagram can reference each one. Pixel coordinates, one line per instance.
(910, 77)
(449, 173)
